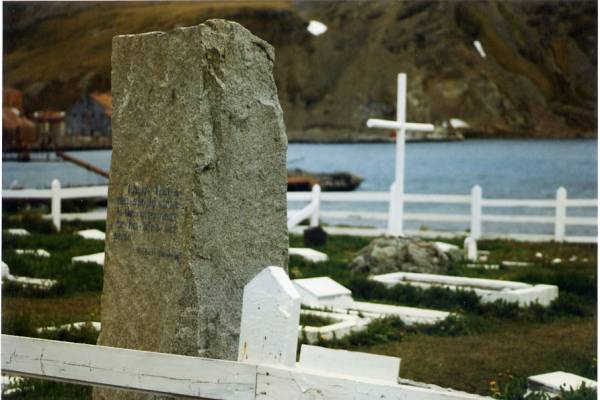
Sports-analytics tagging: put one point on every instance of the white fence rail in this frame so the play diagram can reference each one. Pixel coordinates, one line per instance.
(266, 366)
(313, 211)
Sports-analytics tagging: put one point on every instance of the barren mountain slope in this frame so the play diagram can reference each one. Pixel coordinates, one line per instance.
(538, 79)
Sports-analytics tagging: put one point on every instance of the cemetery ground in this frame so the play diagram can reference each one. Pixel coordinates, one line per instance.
(490, 349)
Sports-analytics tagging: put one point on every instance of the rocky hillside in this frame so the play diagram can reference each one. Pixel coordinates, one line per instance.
(538, 77)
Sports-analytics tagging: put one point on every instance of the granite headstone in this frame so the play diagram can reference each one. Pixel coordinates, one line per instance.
(197, 192)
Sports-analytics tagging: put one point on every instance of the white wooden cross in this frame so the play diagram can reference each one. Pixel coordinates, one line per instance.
(266, 368)
(401, 126)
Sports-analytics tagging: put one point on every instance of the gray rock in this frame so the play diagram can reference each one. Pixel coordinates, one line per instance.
(197, 193)
(385, 255)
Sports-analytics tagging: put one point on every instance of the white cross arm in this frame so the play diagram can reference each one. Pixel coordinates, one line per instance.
(409, 126)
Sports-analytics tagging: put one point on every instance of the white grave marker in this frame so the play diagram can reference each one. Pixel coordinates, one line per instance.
(401, 126)
(470, 249)
(97, 258)
(308, 254)
(94, 234)
(33, 252)
(270, 299)
(323, 292)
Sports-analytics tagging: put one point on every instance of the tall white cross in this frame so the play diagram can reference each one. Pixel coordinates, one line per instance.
(401, 126)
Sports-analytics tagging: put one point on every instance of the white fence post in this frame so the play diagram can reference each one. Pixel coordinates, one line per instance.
(395, 214)
(270, 319)
(56, 203)
(316, 200)
(561, 214)
(476, 212)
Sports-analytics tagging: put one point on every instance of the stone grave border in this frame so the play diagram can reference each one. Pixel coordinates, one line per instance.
(489, 290)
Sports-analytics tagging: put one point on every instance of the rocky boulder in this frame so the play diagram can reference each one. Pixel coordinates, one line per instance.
(385, 255)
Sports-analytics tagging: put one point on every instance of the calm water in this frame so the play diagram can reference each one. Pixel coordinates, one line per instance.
(503, 168)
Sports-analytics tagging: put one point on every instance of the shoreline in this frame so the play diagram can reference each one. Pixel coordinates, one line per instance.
(358, 139)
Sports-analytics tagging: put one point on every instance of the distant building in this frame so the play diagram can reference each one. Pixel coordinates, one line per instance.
(50, 126)
(18, 132)
(90, 116)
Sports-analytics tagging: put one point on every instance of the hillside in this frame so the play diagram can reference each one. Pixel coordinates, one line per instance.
(538, 79)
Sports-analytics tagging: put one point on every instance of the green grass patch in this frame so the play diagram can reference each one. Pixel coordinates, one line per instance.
(37, 389)
(315, 320)
(72, 278)
(464, 352)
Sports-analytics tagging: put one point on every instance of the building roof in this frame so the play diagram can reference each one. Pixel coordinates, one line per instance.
(104, 99)
(322, 287)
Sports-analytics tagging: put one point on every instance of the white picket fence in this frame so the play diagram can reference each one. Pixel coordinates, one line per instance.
(314, 212)
(474, 220)
(266, 366)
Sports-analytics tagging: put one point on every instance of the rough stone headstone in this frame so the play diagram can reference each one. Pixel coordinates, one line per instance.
(197, 191)
(393, 254)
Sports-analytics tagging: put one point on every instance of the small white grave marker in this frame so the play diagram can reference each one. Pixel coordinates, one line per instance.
(470, 249)
(308, 254)
(323, 292)
(33, 252)
(5, 270)
(18, 232)
(97, 258)
(25, 280)
(350, 363)
(270, 319)
(94, 234)
(508, 263)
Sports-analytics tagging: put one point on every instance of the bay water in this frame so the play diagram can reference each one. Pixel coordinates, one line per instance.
(532, 169)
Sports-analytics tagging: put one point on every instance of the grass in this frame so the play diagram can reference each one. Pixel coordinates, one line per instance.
(487, 343)
(470, 362)
(72, 278)
(469, 352)
(37, 389)
(315, 320)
